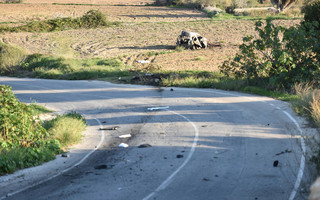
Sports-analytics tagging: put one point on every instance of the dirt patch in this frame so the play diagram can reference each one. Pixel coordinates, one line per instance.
(23, 13)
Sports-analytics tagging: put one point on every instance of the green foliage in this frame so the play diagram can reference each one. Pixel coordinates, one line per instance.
(42, 66)
(92, 19)
(311, 11)
(35, 109)
(10, 58)
(23, 141)
(67, 129)
(279, 58)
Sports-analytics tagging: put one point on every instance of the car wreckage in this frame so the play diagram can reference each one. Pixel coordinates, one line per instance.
(191, 40)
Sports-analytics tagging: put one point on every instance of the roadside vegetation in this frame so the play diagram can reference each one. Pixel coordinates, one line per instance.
(24, 142)
(92, 19)
(280, 62)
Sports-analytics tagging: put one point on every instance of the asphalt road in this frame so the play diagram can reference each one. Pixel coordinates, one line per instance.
(205, 144)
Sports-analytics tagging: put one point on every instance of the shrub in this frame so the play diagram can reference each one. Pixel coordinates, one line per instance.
(279, 58)
(311, 12)
(10, 57)
(24, 142)
(92, 19)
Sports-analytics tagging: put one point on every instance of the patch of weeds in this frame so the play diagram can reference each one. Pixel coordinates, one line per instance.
(180, 48)
(36, 109)
(10, 58)
(200, 58)
(67, 129)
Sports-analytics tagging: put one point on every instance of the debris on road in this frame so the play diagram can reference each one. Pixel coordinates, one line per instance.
(65, 155)
(125, 136)
(283, 152)
(144, 145)
(158, 108)
(275, 163)
(206, 179)
(171, 89)
(191, 40)
(110, 128)
(123, 145)
(179, 156)
(103, 166)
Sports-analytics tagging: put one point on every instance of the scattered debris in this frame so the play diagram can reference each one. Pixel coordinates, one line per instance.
(216, 175)
(110, 128)
(123, 145)
(191, 40)
(103, 166)
(104, 122)
(144, 145)
(65, 155)
(206, 179)
(125, 136)
(143, 61)
(283, 152)
(275, 163)
(171, 89)
(204, 125)
(179, 156)
(158, 108)
(165, 157)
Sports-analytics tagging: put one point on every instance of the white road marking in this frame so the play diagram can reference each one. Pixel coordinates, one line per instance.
(302, 161)
(63, 171)
(303, 146)
(165, 183)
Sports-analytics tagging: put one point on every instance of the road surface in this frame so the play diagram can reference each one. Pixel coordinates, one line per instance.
(203, 144)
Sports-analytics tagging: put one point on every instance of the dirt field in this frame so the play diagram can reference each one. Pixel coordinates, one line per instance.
(145, 29)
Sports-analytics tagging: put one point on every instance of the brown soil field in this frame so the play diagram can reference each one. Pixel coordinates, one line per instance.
(144, 31)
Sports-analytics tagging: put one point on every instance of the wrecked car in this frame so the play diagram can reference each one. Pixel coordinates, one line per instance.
(191, 40)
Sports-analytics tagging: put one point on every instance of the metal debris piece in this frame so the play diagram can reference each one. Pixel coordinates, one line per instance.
(65, 155)
(125, 136)
(191, 40)
(283, 152)
(158, 108)
(275, 163)
(179, 156)
(123, 145)
(110, 128)
(144, 145)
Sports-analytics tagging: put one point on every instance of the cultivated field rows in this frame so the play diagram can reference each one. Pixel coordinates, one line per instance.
(144, 29)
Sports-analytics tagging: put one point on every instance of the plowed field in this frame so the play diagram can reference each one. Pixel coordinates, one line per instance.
(145, 30)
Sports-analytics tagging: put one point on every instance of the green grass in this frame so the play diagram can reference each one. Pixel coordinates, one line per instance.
(41, 66)
(67, 129)
(35, 109)
(10, 57)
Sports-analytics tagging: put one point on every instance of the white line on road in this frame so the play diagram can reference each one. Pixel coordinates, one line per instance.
(165, 183)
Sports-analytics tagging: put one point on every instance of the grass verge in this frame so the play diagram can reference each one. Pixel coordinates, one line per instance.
(67, 129)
